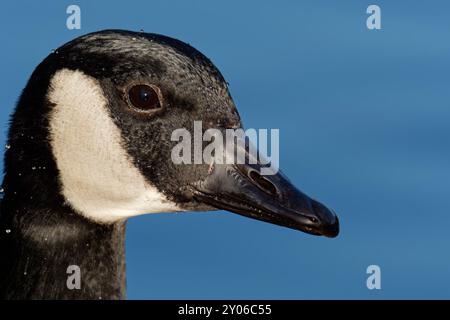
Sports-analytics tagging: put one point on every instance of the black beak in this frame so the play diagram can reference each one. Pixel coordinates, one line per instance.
(240, 188)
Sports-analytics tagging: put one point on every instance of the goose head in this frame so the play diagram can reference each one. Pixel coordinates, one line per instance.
(109, 103)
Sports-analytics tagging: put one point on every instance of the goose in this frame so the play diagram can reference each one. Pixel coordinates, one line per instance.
(89, 147)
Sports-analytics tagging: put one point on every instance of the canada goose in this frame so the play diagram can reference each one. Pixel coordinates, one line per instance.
(89, 146)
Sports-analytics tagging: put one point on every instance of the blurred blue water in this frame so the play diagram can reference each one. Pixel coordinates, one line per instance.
(363, 118)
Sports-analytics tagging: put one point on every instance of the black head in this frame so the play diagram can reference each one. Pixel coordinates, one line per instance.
(99, 113)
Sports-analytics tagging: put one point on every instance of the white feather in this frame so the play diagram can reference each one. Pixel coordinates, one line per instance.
(97, 175)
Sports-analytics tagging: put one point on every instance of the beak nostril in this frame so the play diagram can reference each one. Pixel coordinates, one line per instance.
(262, 183)
(313, 220)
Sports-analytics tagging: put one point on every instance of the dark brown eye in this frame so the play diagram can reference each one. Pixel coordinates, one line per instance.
(144, 97)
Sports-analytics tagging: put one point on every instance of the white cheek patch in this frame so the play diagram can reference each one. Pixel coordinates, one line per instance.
(97, 175)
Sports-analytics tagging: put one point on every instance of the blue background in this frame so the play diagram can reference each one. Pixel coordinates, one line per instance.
(363, 118)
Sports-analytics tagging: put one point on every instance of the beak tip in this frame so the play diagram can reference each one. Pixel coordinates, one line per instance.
(331, 230)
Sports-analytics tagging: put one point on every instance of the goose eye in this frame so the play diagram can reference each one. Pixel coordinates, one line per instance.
(144, 97)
